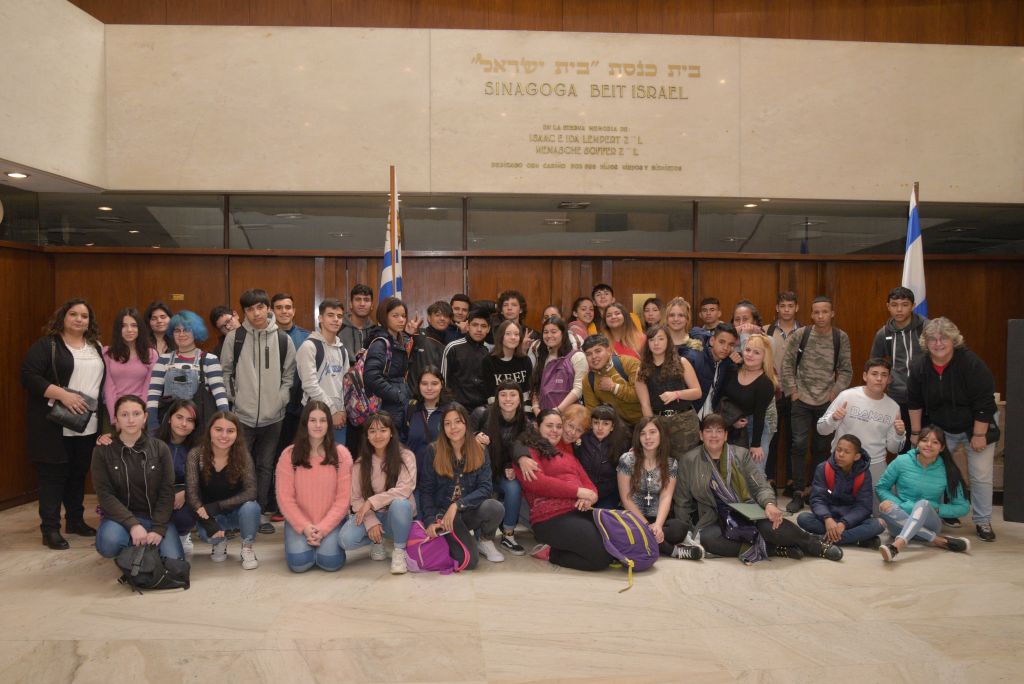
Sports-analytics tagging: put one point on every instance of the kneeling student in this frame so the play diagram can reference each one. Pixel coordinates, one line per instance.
(220, 487)
(841, 498)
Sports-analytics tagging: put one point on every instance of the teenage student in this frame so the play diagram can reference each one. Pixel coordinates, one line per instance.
(599, 452)
(507, 362)
(129, 359)
(558, 369)
(749, 394)
(422, 423)
(667, 386)
(626, 337)
(677, 319)
(178, 431)
(387, 359)
(157, 318)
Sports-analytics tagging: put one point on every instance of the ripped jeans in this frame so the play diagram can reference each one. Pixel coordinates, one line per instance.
(922, 523)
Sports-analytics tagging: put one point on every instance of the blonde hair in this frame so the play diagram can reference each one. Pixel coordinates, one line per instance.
(764, 343)
(579, 414)
(941, 327)
(682, 304)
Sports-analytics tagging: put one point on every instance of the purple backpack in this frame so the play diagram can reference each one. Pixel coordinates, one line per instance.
(556, 381)
(424, 554)
(628, 539)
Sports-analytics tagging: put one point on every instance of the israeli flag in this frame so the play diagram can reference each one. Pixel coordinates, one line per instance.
(913, 259)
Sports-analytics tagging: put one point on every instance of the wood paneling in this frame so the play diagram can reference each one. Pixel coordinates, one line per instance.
(293, 275)
(667, 278)
(611, 16)
(526, 15)
(26, 293)
(291, 13)
(752, 18)
(731, 282)
(126, 11)
(680, 17)
(111, 281)
(391, 14)
(826, 19)
(993, 22)
(208, 12)
(425, 281)
(859, 291)
(467, 14)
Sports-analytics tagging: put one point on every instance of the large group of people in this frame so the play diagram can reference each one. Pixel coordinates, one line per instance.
(482, 428)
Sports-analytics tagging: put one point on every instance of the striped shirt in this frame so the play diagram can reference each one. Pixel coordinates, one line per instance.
(211, 369)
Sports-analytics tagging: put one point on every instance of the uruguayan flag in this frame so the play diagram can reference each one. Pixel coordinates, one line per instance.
(913, 260)
(389, 268)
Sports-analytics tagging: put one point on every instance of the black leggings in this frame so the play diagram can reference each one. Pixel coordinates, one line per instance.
(574, 540)
(484, 517)
(788, 534)
(675, 532)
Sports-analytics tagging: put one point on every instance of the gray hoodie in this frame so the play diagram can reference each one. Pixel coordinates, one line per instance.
(323, 383)
(353, 337)
(261, 386)
(900, 346)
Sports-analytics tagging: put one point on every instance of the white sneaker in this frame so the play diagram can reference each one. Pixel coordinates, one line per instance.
(249, 561)
(377, 552)
(489, 551)
(398, 564)
(220, 551)
(186, 544)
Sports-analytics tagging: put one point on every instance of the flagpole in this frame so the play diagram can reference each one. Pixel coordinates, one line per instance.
(392, 225)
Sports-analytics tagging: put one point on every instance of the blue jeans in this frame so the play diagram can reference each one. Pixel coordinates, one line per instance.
(329, 556)
(766, 441)
(979, 469)
(396, 521)
(245, 519)
(872, 527)
(512, 494)
(341, 433)
(922, 523)
(113, 537)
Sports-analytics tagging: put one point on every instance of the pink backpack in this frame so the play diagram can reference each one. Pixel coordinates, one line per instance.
(424, 554)
(556, 381)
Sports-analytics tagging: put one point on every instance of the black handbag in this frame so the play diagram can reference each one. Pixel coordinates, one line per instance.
(993, 433)
(61, 414)
(142, 568)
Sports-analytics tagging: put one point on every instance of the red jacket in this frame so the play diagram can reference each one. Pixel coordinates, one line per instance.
(553, 492)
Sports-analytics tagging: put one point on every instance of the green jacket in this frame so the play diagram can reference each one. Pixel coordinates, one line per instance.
(693, 486)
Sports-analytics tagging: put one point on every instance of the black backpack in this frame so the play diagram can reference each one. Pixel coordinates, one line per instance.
(142, 568)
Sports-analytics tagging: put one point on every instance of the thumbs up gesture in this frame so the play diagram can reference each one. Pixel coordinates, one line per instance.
(840, 411)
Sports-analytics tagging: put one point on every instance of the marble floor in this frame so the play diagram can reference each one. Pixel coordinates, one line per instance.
(931, 617)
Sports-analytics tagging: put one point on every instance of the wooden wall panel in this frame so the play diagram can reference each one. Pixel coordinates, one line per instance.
(859, 290)
(391, 14)
(678, 17)
(467, 14)
(126, 11)
(826, 19)
(488, 277)
(992, 22)
(427, 280)
(208, 12)
(112, 281)
(290, 12)
(667, 278)
(293, 275)
(752, 18)
(526, 15)
(612, 16)
(731, 281)
(26, 293)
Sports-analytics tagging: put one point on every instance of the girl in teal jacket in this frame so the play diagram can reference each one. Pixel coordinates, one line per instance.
(917, 490)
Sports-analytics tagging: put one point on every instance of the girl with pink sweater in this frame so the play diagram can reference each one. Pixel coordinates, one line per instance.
(314, 478)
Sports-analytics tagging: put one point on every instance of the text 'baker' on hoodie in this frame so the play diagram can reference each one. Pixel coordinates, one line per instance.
(260, 379)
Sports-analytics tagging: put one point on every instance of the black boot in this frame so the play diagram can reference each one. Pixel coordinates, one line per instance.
(54, 540)
(80, 528)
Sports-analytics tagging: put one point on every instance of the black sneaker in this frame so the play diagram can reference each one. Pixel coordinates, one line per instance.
(794, 552)
(872, 543)
(958, 544)
(267, 528)
(889, 553)
(985, 532)
(509, 543)
(796, 504)
(827, 550)
(952, 522)
(688, 552)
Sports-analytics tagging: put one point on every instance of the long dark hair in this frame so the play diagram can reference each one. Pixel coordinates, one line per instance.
(164, 433)
(671, 367)
(542, 351)
(619, 439)
(392, 455)
(444, 450)
(499, 339)
(385, 307)
(301, 446)
(148, 314)
(120, 351)
(661, 455)
(500, 452)
(55, 326)
(532, 439)
(444, 397)
(954, 478)
(576, 305)
(238, 454)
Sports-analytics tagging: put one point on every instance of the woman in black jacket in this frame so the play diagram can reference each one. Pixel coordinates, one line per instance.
(68, 357)
(456, 490)
(387, 359)
(955, 388)
(134, 481)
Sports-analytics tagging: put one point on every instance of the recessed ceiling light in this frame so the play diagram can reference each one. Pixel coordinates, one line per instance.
(104, 208)
(765, 199)
(156, 246)
(750, 206)
(555, 221)
(90, 244)
(337, 235)
(133, 231)
(17, 174)
(570, 204)
(291, 215)
(732, 238)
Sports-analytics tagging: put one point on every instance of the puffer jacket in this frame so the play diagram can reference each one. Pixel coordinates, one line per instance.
(386, 378)
(840, 503)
